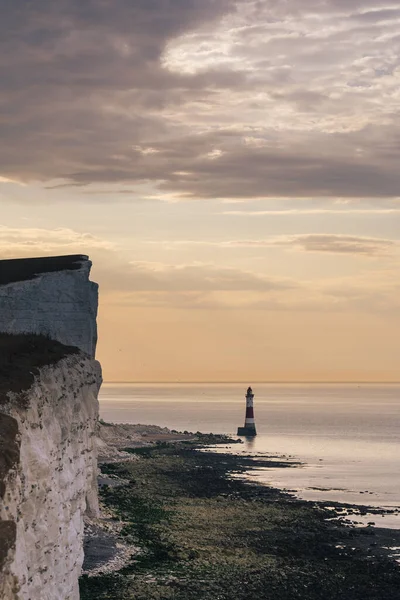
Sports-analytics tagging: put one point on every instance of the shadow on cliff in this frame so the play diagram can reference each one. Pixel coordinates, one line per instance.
(21, 357)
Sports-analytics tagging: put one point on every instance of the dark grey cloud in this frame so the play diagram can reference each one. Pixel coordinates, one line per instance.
(299, 97)
(320, 165)
(78, 78)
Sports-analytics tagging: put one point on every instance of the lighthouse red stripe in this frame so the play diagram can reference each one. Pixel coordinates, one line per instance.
(249, 412)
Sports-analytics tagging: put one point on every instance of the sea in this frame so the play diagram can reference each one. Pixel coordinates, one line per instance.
(346, 436)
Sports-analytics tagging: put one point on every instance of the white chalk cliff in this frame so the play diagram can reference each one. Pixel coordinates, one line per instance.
(53, 296)
(48, 459)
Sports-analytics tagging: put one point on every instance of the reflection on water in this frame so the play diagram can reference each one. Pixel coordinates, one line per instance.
(250, 443)
(347, 435)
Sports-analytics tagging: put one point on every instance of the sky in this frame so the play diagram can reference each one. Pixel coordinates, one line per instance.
(232, 170)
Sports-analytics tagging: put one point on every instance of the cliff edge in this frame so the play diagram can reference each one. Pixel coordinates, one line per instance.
(48, 423)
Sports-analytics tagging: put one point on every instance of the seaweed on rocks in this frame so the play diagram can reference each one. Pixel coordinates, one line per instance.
(207, 535)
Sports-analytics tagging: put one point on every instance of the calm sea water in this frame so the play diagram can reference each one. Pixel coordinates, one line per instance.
(347, 436)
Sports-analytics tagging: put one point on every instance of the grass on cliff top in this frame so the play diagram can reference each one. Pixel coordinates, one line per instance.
(207, 536)
(22, 355)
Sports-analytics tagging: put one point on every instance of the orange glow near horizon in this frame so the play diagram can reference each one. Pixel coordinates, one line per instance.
(160, 345)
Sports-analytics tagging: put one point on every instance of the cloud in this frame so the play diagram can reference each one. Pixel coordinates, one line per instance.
(7, 180)
(340, 244)
(197, 277)
(207, 286)
(315, 211)
(210, 287)
(203, 99)
(83, 82)
(116, 273)
(365, 293)
(29, 242)
(316, 242)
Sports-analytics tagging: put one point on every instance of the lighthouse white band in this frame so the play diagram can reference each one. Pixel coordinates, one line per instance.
(249, 421)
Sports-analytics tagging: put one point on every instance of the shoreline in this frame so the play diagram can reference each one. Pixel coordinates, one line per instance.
(360, 508)
(285, 543)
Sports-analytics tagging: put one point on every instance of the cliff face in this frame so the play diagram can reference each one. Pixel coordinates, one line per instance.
(54, 481)
(48, 423)
(51, 296)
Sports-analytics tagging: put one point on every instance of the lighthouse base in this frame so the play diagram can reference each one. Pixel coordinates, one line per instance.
(247, 431)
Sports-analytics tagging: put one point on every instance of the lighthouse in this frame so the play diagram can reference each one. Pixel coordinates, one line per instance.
(249, 428)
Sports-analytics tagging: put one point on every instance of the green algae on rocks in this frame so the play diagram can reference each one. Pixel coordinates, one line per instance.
(207, 535)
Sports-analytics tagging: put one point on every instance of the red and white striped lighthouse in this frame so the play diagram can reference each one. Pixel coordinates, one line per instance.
(249, 428)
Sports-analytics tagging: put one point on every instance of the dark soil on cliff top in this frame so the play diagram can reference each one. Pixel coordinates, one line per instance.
(207, 535)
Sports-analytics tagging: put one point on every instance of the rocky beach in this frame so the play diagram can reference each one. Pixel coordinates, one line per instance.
(179, 522)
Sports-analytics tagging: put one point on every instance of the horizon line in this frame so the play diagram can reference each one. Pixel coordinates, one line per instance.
(245, 382)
